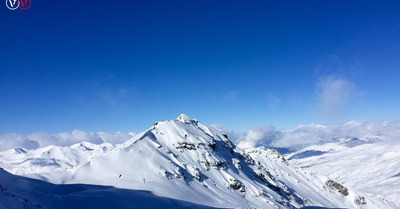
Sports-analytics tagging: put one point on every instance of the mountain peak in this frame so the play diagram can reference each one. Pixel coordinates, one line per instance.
(185, 119)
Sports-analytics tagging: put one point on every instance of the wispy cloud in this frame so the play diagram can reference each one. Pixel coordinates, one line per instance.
(333, 94)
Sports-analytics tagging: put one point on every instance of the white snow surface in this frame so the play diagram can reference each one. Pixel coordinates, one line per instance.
(181, 163)
(50, 159)
(368, 167)
(18, 192)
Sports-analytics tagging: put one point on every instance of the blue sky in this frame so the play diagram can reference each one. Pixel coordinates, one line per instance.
(120, 66)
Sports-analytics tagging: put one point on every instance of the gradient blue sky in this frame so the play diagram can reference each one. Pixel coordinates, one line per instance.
(120, 66)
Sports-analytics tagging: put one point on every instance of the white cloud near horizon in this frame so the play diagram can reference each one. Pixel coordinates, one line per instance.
(13, 140)
(268, 136)
(313, 134)
(306, 135)
(260, 136)
(43, 139)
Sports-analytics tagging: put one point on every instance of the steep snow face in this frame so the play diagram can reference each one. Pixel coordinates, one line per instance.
(371, 168)
(50, 159)
(187, 160)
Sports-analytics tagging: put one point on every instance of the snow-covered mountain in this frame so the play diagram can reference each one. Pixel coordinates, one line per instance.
(50, 159)
(369, 166)
(190, 162)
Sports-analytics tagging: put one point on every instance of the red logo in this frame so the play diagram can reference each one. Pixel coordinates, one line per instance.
(24, 4)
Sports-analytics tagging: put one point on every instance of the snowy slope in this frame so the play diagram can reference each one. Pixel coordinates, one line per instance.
(50, 159)
(368, 167)
(19, 192)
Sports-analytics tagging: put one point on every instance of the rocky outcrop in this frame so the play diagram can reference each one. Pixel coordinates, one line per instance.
(360, 201)
(338, 187)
